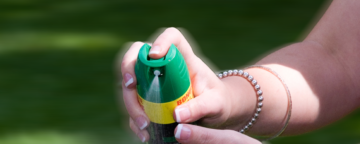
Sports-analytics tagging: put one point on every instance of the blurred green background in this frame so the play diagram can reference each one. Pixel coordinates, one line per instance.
(57, 58)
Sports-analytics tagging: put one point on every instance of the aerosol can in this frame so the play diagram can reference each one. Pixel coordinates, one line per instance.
(162, 84)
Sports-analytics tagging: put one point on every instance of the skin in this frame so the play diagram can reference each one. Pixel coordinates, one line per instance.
(320, 72)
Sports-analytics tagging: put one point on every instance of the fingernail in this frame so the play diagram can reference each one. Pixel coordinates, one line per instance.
(182, 132)
(155, 50)
(141, 122)
(128, 79)
(182, 114)
(141, 136)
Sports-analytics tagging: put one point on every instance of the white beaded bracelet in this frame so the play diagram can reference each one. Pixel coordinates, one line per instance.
(259, 93)
(289, 108)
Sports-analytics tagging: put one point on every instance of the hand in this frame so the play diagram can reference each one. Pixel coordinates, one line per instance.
(214, 104)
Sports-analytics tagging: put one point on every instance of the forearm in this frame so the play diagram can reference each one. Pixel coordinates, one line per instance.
(321, 74)
(321, 90)
(327, 61)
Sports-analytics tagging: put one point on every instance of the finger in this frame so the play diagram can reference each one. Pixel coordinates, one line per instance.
(208, 104)
(142, 134)
(191, 134)
(163, 42)
(128, 87)
(128, 64)
(196, 66)
(134, 109)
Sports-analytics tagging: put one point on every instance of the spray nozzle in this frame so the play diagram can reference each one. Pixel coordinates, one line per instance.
(156, 72)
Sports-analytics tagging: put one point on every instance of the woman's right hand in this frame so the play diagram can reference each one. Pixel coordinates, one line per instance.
(214, 104)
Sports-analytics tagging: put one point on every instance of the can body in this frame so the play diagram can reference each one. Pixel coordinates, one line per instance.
(172, 88)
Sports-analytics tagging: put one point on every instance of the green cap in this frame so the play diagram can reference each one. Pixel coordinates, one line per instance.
(174, 80)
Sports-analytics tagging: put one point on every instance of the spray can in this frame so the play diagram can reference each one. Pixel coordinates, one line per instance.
(162, 84)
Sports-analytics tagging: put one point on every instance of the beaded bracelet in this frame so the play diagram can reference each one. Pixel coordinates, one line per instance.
(259, 93)
(289, 108)
(260, 97)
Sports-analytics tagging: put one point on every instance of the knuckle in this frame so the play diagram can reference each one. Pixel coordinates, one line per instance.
(234, 138)
(206, 107)
(205, 138)
(208, 137)
(133, 127)
(168, 34)
(201, 107)
(172, 30)
(137, 43)
(123, 63)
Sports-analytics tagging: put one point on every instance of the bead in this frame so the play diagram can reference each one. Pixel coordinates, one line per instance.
(242, 131)
(260, 98)
(225, 74)
(246, 74)
(241, 72)
(235, 72)
(253, 82)
(258, 93)
(230, 72)
(258, 110)
(253, 120)
(250, 77)
(257, 87)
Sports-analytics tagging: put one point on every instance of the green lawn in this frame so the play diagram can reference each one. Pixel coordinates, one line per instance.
(57, 79)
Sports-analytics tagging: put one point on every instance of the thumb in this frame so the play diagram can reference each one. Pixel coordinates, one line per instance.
(191, 134)
(208, 104)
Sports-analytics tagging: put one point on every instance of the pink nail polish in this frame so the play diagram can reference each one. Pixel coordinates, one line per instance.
(155, 50)
(141, 122)
(182, 132)
(182, 114)
(128, 79)
(142, 137)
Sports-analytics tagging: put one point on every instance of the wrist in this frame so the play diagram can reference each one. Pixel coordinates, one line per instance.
(273, 114)
(242, 101)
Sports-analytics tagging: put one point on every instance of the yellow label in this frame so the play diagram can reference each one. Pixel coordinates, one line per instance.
(162, 113)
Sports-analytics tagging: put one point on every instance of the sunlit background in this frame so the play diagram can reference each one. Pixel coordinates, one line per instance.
(57, 78)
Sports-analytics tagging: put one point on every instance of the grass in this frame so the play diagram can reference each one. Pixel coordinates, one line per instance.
(57, 78)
